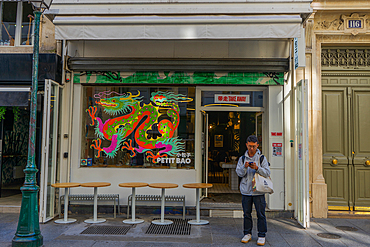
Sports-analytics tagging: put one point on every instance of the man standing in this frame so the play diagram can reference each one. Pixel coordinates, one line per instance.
(247, 166)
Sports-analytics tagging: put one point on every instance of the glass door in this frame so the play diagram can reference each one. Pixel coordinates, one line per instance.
(49, 160)
(301, 164)
(204, 151)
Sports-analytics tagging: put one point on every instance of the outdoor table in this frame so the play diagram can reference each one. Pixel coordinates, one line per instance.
(95, 185)
(197, 186)
(133, 185)
(163, 186)
(65, 186)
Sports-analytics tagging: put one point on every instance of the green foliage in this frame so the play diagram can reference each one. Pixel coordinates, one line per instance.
(16, 113)
(2, 112)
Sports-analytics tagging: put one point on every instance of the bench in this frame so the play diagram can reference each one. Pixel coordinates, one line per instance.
(168, 198)
(84, 197)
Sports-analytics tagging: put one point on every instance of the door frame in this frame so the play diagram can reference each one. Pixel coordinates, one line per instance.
(44, 181)
(198, 116)
(302, 208)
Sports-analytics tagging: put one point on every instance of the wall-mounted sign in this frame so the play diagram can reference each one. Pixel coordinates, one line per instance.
(168, 77)
(277, 149)
(232, 98)
(276, 133)
(354, 23)
(296, 64)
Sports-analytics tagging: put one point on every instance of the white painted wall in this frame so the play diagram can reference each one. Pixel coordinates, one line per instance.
(289, 133)
(275, 124)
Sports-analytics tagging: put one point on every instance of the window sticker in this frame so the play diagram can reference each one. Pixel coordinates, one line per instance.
(277, 149)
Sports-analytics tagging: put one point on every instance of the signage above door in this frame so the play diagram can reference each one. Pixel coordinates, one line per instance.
(170, 77)
(354, 23)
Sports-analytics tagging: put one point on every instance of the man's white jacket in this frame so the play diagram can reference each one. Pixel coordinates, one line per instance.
(247, 174)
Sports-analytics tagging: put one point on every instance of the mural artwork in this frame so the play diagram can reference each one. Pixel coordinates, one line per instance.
(132, 120)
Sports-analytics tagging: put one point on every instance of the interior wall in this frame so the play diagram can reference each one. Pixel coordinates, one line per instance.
(275, 124)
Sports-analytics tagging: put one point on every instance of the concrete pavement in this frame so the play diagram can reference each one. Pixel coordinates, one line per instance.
(220, 232)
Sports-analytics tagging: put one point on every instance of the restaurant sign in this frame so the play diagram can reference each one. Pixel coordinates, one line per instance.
(168, 77)
(231, 98)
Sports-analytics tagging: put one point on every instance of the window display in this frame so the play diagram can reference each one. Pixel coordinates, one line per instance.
(138, 127)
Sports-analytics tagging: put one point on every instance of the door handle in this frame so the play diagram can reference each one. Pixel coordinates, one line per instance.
(367, 162)
(334, 161)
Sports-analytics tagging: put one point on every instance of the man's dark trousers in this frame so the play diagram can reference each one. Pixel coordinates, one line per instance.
(260, 205)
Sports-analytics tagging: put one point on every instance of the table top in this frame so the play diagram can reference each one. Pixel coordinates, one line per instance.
(65, 185)
(163, 185)
(133, 184)
(95, 184)
(197, 185)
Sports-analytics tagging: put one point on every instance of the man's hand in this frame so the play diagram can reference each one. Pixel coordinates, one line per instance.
(252, 165)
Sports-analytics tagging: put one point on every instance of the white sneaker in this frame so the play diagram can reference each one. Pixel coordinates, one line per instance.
(261, 241)
(246, 238)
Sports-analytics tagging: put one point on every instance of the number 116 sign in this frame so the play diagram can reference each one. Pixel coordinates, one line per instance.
(355, 24)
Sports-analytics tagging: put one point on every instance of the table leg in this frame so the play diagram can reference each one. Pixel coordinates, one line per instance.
(65, 220)
(198, 221)
(133, 220)
(95, 219)
(162, 221)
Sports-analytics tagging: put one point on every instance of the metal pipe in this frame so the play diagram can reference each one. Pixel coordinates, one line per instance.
(175, 20)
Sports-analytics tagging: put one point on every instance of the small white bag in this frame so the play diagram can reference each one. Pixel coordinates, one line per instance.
(262, 184)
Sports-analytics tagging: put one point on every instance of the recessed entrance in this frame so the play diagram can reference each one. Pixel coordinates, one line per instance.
(226, 135)
(14, 143)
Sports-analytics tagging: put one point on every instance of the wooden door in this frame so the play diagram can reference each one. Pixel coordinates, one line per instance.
(336, 147)
(361, 147)
(346, 147)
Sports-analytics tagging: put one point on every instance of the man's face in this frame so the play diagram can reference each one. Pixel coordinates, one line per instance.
(252, 148)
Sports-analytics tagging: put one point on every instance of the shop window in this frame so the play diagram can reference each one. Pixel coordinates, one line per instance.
(16, 23)
(138, 127)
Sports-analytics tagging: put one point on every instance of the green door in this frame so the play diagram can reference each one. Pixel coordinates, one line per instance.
(346, 146)
(361, 147)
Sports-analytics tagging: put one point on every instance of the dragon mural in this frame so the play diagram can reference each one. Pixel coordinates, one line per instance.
(132, 116)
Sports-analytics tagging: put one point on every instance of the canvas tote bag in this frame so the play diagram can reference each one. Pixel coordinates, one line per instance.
(262, 184)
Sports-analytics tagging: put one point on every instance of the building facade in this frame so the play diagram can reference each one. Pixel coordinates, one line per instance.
(168, 92)
(16, 49)
(337, 42)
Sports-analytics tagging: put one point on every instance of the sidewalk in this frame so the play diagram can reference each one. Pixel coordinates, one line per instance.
(220, 232)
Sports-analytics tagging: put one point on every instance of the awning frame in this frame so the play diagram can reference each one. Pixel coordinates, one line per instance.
(172, 64)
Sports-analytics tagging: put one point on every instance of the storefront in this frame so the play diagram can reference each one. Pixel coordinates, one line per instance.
(15, 87)
(155, 98)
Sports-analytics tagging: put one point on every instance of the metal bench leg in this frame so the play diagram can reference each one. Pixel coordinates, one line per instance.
(183, 210)
(114, 210)
(119, 210)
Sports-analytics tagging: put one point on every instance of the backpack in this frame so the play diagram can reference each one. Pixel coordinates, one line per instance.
(261, 159)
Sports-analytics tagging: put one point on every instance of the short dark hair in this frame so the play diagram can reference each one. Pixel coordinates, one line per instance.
(251, 138)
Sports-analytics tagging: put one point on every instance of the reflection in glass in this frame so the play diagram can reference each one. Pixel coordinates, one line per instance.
(8, 23)
(27, 24)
